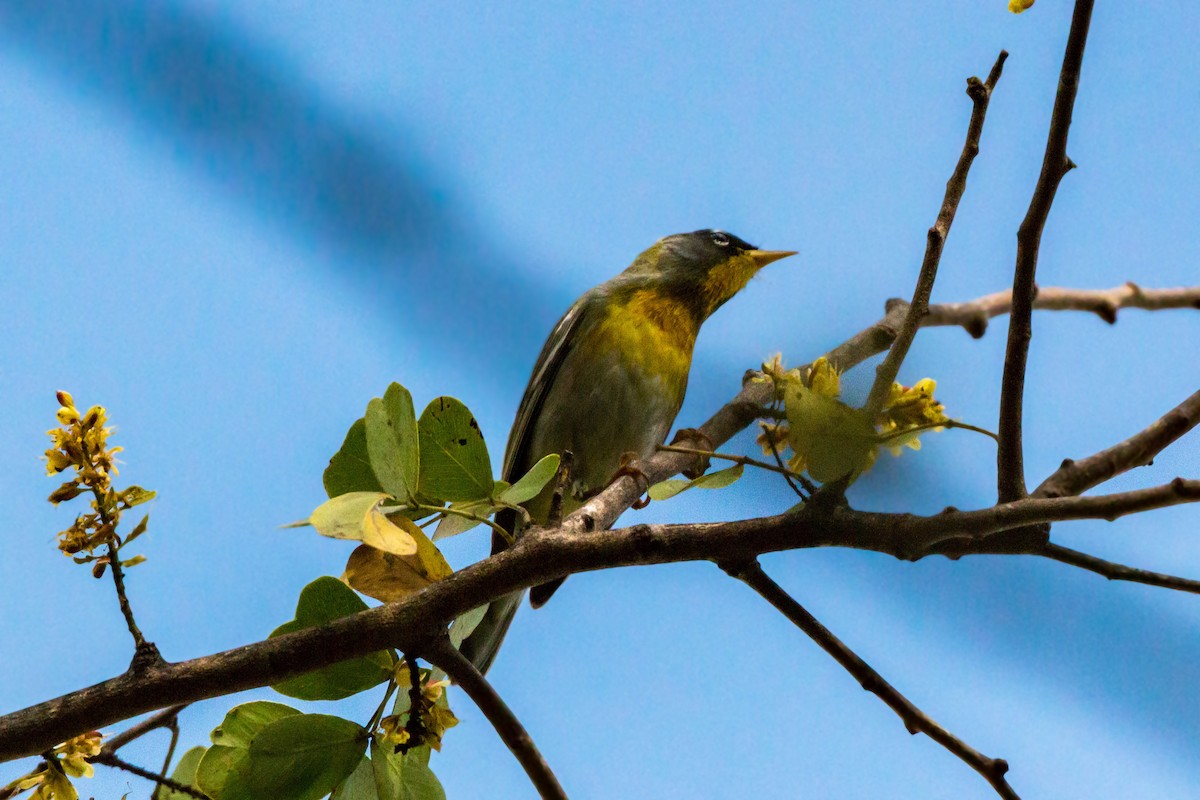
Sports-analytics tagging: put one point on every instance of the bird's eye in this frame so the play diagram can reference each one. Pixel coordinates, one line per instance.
(720, 239)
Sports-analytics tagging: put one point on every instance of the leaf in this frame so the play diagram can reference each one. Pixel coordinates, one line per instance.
(404, 776)
(454, 524)
(185, 773)
(389, 577)
(133, 562)
(664, 490)
(532, 482)
(465, 623)
(392, 442)
(136, 495)
(360, 785)
(323, 601)
(357, 516)
(303, 757)
(350, 468)
(242, 722)
(834, 439)
(223, 771)
(138, 529)
(455, 465)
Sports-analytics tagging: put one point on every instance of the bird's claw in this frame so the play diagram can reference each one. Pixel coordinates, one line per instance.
(630, 469)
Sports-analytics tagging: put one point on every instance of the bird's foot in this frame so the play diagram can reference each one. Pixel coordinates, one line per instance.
(630, 467)
(697, 438)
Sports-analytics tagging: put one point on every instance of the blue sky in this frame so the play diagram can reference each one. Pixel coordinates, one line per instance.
(232, 224)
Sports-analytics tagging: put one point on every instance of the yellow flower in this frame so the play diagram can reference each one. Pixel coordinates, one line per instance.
(56, 462)
(54, 786)
(76, 752)
(393, 730)
(1017, 6)
(823, 378)
(64, 399)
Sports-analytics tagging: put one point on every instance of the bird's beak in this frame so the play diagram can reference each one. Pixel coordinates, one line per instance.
(764, 257)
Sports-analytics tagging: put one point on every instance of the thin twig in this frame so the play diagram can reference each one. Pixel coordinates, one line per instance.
(972, 316)
(1076, 477)
(745, 461)
(109, 760)
(145, 653)
(1118, 572)
(980, 93)
(501, 717)
(1010, 460)
(152, 723)
(173, 727)
(915, 720)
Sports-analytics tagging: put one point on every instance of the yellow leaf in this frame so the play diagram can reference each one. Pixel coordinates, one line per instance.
(833, 439)
(390, 577)
(1017, 6)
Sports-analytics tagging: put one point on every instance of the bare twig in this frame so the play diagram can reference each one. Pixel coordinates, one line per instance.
(973, 315)
(980, 93)
(745, 461)
(110, 760)
(1118, 572)
(915, 720)
(1076, 477)
(173, 727)
(1010, 460)
(501, 717)
(162, 719)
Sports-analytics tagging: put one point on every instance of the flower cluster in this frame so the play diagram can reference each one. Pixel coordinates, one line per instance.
(80, 445)
(434, 715)
(830, 439)
(50, 779)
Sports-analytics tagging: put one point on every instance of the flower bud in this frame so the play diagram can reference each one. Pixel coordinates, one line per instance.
(67, 415)
(65, 399)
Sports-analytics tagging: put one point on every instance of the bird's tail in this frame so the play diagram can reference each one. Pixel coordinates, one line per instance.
(484, 642)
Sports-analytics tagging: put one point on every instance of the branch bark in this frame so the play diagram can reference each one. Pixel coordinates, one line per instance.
(1010, 459)
(511, 731)
(915, 720)
(538, 557)
(980, 93)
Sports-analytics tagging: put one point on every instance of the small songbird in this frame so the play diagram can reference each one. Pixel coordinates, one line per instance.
(611, 378)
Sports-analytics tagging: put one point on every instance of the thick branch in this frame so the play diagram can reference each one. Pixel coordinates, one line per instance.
(538, 557)
(915, 720)
(511, 731)
(1076, 477)
(980, 93)
(1010, 463)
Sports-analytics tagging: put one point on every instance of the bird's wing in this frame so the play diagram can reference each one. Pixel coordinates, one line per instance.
(545, 370)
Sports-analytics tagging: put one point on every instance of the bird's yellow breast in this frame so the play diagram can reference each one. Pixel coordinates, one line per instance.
(652, 331)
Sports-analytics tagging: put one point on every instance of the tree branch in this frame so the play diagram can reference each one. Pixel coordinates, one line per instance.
(1076, 477)
(540, 556)
(511, 731)
(915, 720)
(1118, 572)
(980, 93)
(162, 719)
(110, 760)
(1010, 464)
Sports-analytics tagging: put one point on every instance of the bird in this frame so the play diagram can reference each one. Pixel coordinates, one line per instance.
(610, 380)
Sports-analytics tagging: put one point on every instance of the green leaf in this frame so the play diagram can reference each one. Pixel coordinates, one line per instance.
(358, 516)
(323, 601)
(455, 465)
(223, 773)
(360, 785)
(350, 468)
(136, 495)
(303, 757)
(465, 623)
(242, 722)
(664, 490)
(185, 773)
(532, 482)
(834, 439)
(392, 441)
(404, 777)
(454, 524)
